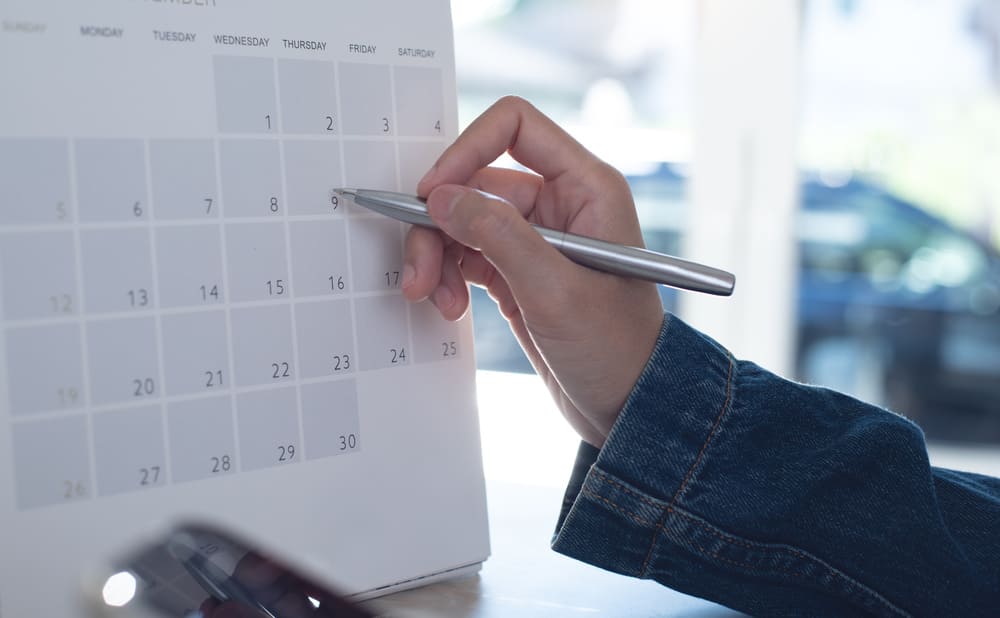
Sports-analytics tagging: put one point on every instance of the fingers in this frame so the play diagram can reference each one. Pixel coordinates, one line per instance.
(451, 296)
(519, 188)
(423, 256)
(491, 225)
(510, 125)
(432, 269)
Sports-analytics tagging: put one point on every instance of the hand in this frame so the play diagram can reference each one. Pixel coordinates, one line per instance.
(587, 333)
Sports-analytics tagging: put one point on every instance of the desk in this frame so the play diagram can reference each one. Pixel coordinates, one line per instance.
(525, 578)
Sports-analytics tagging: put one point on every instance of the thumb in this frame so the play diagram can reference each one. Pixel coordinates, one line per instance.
(497, 229)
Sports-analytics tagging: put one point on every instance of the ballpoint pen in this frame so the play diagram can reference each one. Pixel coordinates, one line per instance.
(601, 255)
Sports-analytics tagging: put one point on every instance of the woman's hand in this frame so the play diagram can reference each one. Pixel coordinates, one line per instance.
(587, 333)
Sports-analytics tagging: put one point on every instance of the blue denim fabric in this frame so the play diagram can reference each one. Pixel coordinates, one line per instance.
(727, 482)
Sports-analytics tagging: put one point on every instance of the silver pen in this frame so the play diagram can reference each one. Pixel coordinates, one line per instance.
(601, 255)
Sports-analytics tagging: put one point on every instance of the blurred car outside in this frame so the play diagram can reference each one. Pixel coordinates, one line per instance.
(894, 305)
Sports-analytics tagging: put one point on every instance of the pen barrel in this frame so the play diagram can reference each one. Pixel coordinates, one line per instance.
(640, 263)
(598, 254)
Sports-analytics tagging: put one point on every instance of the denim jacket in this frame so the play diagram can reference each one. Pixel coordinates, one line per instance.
(727, 482)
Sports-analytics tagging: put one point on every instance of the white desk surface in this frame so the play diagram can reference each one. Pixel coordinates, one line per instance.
(525, 578)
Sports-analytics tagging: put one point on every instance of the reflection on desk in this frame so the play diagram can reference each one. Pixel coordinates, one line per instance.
(525, 578)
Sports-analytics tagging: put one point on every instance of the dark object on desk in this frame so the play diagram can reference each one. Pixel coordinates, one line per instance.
(196, 570)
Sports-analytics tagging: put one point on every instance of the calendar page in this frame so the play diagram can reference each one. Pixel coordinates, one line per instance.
(194, 325)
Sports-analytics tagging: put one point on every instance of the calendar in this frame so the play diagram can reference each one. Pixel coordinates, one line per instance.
(194, 325)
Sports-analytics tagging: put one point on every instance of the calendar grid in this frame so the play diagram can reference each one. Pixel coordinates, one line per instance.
(399, 181)
(81, 311)
(150, 219)
(300, 433)
(348, 223)
(229, 384)
(158, 320)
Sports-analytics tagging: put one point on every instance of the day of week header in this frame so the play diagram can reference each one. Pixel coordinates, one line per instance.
(178, 37)
(104, 31)
(300, 44)
(30, 27)
(416, 52)
(360, 48)
(245, 41)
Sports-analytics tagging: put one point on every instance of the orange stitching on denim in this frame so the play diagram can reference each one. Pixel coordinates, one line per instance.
(616, 507)
(829, 570)
(690, 472)
(716, 556)
(739, 542)
(660, 527)
(611, 481)
(711, 434)
(765, 548)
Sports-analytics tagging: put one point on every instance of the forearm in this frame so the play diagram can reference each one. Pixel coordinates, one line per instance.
(724, 481)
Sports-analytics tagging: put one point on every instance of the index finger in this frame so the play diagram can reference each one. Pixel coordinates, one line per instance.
(510, 125)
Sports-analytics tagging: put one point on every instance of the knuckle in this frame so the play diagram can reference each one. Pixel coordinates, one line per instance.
(512, 102)
(488, 220)
(609, 175)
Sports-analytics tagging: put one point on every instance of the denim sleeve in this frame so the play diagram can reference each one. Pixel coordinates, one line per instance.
(727, 482)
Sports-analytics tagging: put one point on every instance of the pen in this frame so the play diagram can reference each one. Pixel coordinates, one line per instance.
(601, 255)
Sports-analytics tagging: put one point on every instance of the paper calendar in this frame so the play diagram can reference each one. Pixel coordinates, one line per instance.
(193, 323)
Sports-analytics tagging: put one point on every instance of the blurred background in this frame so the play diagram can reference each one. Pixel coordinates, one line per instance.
(842, 157)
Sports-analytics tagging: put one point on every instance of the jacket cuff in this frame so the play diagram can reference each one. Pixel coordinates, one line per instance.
(654, 449)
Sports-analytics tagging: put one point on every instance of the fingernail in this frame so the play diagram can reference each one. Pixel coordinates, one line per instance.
(409, 274)
(448, 195)
(443, 298)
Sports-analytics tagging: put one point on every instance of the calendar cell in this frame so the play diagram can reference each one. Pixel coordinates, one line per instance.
(111, 179)
(51, 462)
(195, 358)
(122, 360)
(369, 165)
(319, 258)
(117, 270)
(262, 345)
(326, 338)
(45, 368)
(330, 418)
(415, 158)
(189, 263)
(434, 338)
(258, 264)
(376, 254)
(312, 171)
(366, 99)
(34, 181)
(419, 101)
(382, 332)
(39, 275)
(308, 96)
(251, 178)
(202, 439)
(128, 447)
(269, 428)
(245, 99)
(183, 177)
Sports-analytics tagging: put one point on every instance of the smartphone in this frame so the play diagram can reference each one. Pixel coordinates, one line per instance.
(196, 570)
